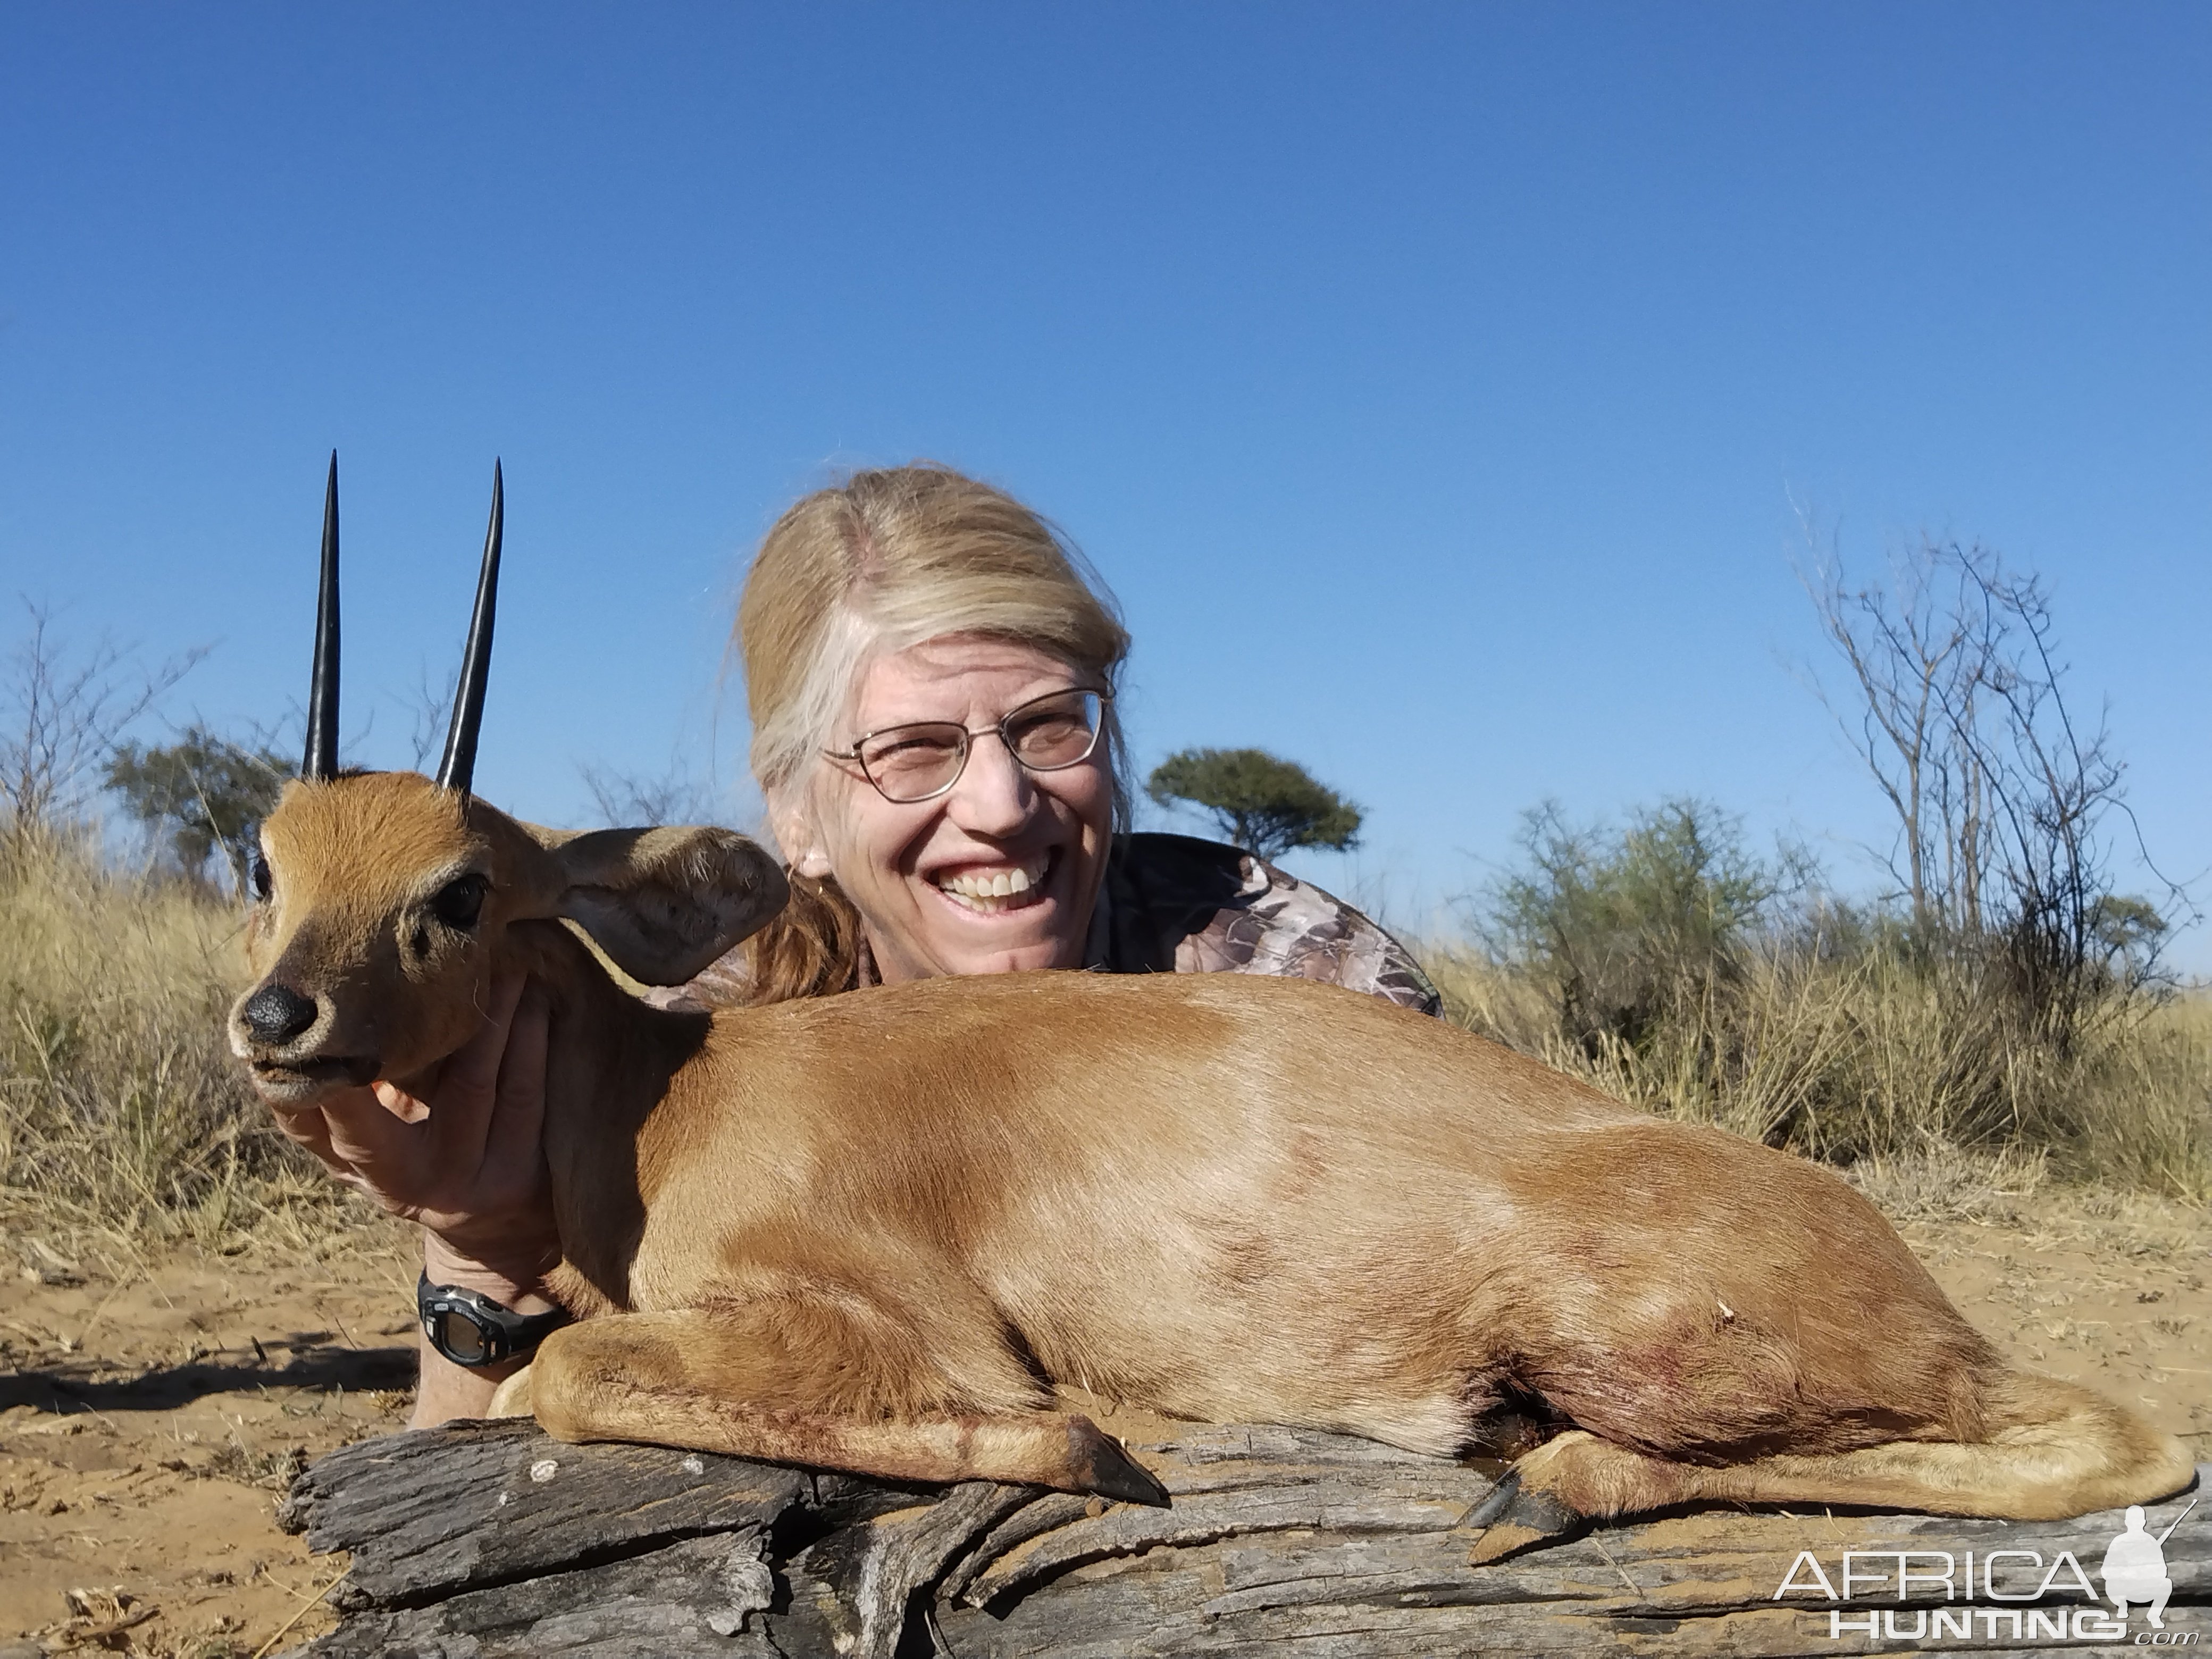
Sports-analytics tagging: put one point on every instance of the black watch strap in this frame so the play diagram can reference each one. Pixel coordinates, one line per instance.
(470, 1329)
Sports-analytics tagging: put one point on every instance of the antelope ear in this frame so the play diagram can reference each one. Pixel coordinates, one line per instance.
(663, 903)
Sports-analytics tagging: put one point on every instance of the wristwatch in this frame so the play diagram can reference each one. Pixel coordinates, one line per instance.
(470, 1329)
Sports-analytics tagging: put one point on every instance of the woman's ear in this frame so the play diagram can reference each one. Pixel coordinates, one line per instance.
(797, 832)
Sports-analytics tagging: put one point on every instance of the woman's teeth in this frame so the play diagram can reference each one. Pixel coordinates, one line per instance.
(991, 890)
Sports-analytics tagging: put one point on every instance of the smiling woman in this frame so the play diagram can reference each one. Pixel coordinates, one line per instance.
(931, 679)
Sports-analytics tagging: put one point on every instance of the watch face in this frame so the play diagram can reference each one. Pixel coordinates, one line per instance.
(458, 1337)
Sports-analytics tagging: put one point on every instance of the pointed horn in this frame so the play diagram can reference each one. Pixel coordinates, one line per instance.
(322, 758)
(460, 765)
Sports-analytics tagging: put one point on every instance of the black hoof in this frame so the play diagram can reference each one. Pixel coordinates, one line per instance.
(1500, 1499)
(1514, 1518)
(1112, 1472)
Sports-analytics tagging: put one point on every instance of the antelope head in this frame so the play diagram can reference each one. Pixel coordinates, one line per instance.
(381, 900)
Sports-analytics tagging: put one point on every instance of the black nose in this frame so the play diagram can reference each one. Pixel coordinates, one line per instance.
(277, 1013)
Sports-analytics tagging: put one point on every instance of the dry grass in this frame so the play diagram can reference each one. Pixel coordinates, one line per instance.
(1867, 1059)
(120, 1111)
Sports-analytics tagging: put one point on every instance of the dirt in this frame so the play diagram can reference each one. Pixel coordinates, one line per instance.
(2115, 1294)
(151, 1412)
(151, 1415)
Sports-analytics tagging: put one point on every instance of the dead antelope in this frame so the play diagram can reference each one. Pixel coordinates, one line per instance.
(871, 1231)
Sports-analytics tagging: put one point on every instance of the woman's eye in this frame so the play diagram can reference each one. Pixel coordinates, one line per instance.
(911, 751)
(1046, 729)
(459, 901)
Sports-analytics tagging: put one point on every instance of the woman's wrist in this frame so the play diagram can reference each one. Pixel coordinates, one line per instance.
(516, 1284)
(446, 1391)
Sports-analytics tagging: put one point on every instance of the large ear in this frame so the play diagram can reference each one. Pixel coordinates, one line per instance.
(663, 903)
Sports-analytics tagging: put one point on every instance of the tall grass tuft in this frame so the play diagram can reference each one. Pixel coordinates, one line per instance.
(120, 1109)
(1666, 967)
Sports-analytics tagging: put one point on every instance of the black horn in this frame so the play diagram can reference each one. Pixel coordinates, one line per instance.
(322, 758)
(459, 764)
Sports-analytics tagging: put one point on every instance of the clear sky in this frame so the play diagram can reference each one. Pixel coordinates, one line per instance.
(1432, 385)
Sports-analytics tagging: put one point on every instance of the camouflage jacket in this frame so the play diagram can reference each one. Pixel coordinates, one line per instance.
(1171, 904)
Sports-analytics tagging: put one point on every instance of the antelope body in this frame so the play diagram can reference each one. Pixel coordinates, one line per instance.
(870, 1231)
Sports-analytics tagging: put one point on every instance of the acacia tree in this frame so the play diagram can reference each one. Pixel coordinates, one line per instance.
(203, 789)
(1262, 803)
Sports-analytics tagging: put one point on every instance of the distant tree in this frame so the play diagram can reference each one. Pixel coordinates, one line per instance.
(203, 789)
(1263, 804)
(1955, 702)
(2129, 930)
(1621, 929)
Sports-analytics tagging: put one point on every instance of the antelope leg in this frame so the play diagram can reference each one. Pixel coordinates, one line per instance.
(728, 1378)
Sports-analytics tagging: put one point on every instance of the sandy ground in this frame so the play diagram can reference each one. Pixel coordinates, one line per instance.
(152, 1412)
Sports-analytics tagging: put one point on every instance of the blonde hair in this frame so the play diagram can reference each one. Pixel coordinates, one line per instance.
(889, 559)
(892, 558)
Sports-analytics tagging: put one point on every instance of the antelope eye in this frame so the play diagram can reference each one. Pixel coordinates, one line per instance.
(256, 872)
(460, 901)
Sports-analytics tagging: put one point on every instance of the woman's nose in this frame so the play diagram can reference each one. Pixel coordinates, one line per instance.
(994, 796)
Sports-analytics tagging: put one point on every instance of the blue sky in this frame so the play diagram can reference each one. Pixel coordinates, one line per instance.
(1432, 385)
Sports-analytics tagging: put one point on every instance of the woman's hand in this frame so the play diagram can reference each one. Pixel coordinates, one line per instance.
(463, 1154)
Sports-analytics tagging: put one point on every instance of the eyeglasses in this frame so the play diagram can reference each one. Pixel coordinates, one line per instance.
(923, 760)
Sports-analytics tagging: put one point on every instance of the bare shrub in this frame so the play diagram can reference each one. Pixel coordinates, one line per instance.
(2005, 796)
(62, 713)
(625, 799)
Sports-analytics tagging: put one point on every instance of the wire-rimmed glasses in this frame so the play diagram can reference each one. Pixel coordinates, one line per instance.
(924, 759)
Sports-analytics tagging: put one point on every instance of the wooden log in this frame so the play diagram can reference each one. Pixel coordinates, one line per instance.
(435, 1512)
(488, 1539)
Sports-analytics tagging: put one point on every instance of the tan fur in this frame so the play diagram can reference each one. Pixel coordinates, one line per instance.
(871, 1230)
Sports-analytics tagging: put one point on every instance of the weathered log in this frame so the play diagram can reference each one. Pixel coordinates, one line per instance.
(488, 1539)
